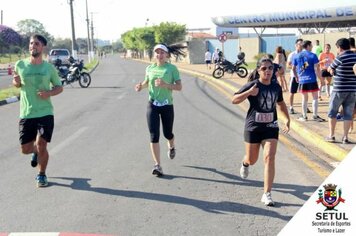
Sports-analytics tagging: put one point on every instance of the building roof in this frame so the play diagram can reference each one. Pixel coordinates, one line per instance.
(335, 17)
(200, 35)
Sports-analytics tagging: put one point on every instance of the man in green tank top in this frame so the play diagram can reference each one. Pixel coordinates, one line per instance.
(38, 80)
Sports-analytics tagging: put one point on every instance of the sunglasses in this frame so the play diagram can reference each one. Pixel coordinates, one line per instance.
(264, 68)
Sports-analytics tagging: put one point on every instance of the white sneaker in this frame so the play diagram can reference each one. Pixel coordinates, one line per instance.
(157, 170)
(243, 171)
(267, 199)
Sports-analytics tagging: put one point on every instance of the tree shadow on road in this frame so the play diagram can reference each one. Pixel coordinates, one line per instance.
(300, 191)
(222, 207)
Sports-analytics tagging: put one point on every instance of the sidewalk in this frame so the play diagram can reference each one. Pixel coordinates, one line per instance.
(310, 132)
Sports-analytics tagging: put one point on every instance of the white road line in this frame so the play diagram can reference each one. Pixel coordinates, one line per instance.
(68, 141)
(121, 96)
(34, 234)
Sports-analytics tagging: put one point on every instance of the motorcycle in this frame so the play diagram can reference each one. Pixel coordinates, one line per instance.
(74, 72)
(226, 66)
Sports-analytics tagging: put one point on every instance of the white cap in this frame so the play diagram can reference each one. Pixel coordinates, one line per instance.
(160, 46)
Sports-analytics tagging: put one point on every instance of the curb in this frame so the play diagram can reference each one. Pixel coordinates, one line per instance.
(50, 234)
(8, 101)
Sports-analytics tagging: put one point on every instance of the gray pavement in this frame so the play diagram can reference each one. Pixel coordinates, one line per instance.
(100, 166)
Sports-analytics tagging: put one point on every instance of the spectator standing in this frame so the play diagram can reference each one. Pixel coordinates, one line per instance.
(281, 60)
(317, 48)
(207, 59)
(325, 60)
(352, 44)
(344, 90)
(293, 84)
(353, 48)
(216, 55)
(305, 65)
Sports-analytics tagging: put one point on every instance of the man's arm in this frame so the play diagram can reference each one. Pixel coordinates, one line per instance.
(49, 93)
(16, 81)
(294, 68)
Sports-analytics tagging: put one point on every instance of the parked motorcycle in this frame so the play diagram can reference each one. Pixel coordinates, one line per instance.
(226, 66)
(73, 73)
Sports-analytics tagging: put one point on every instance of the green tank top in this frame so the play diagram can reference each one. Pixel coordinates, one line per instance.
(35, 78)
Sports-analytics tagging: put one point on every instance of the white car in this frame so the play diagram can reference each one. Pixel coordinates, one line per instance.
(62, 54)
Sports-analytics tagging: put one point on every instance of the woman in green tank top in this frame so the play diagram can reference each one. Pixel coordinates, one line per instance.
(161, 79)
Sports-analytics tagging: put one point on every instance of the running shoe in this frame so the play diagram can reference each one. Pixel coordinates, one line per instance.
(41, 181)
(267, 199)
(244, 171)
(157, 170)
(318, 118)
(303, 118)
(345, 140)
(291, 110)
(330, 139)
(34, 160)
(171, 153)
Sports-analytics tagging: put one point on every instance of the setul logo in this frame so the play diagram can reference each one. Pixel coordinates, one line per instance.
(330, 198)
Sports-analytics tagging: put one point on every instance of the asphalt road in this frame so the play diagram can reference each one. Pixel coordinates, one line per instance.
(100, 166)
(5, 79)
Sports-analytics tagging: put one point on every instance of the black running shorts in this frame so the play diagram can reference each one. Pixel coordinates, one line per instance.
(29, 128)
(309, 87)
(258, 137)
(293, 86)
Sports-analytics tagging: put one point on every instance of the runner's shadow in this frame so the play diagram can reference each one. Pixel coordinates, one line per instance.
(223, 207)
(299, 191)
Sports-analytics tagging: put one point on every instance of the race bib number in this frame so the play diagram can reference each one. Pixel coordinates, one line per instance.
(160, 104)
(264, 117)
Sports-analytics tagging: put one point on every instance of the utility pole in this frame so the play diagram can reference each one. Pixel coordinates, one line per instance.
(92, 34)
(1, 17)
(74, 44)
(89, 47)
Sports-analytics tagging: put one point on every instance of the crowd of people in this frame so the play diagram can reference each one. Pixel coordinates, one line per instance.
(314, 70)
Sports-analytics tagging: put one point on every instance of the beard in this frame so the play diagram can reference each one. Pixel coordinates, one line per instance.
(35, 53)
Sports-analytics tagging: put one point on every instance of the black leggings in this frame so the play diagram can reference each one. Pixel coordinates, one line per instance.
(167, 115)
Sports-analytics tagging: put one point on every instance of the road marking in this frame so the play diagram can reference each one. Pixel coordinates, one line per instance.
(121, 96)
(50, 234)
(68, 141)
(34, 234)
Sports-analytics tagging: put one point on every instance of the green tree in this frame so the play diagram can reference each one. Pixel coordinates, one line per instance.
(139, 39)
(82, 45)
(117, 46)
(129, 40)
(169, 33)
(8, 38)
(62, 43)
(29, 27)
